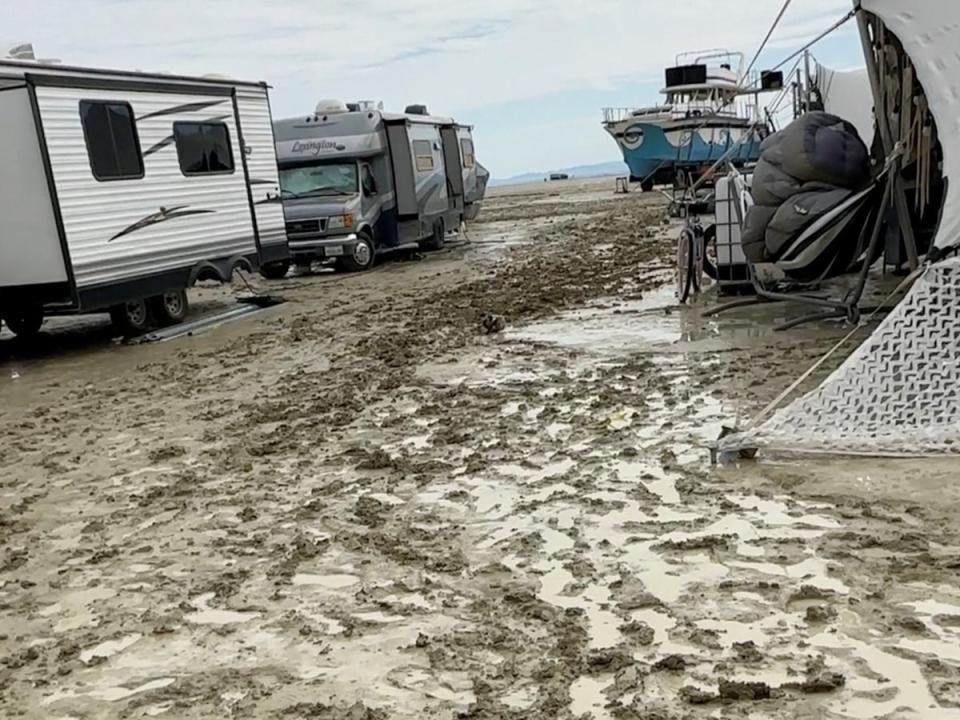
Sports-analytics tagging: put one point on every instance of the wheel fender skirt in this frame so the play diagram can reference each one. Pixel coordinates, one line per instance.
(239, 262)
(206, 271)
(221, 271)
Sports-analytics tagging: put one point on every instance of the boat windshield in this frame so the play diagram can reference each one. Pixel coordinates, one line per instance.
(695, 96)
(320, 179)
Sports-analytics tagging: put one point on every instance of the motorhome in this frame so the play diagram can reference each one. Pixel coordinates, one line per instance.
(119, 190)
(356, 182)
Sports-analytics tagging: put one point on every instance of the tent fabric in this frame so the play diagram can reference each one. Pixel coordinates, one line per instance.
(847, 94)
(929, 31)
(898, 394)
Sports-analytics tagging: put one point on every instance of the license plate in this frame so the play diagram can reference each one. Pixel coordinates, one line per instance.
(333, 250)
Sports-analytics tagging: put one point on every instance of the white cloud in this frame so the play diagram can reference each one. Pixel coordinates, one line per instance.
(456, 57)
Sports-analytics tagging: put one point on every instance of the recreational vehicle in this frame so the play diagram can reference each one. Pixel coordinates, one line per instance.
(119, 190)
(356, 182)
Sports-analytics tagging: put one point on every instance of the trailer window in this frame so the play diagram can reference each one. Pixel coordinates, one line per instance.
(466, 150)
(423, 153)
(113, 147)
(203, 148)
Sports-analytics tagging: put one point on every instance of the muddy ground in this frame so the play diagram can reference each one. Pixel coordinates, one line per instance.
(475, 485)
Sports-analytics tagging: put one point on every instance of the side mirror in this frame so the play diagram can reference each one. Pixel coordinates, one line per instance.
(367, 184)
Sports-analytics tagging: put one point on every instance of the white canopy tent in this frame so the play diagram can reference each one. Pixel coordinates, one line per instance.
(929, 31)
(846, 94)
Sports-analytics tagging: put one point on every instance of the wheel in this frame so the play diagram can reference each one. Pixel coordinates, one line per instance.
(646, 185)
(170, 308)
(436, 240)
(362, 257)
(25, 321)
(710, 239)
(131, 318)
(699, 257)
(275, 270)
(686, 262)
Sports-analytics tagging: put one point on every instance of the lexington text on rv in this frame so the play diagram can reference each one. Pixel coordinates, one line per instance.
(122, 189)
(356, 182)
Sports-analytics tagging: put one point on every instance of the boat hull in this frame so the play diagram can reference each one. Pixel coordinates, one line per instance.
(656, 151)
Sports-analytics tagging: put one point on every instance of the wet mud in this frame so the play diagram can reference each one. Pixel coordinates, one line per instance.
(472, 485)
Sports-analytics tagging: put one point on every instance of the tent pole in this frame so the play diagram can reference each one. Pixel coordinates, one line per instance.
(886, 137)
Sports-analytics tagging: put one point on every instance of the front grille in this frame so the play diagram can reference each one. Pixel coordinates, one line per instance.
(305, 227)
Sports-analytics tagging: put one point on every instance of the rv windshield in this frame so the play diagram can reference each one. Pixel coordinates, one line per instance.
(314, 180)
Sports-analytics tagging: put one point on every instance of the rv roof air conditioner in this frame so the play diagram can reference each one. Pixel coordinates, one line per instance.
(25, 53)
(416, 110)
(22, 52)
(331, 107)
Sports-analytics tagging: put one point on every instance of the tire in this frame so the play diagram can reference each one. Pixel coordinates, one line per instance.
(646, 185)
(24, 322)
(436, 240)
(710, 238)
(131, 318)
(363, 256)
(696, 267)
(685, 265)
(170, 308)
(275, 270)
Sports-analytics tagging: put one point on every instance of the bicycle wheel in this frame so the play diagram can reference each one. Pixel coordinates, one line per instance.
(685, 264)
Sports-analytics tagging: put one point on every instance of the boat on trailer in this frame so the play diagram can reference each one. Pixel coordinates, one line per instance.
(706, 114)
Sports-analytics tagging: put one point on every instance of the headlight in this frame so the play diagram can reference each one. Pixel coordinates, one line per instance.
(339, 222)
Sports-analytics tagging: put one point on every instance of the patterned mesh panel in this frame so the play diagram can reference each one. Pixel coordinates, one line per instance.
(898, 394)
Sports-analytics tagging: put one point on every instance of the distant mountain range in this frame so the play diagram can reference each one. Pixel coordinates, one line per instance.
(578, 171)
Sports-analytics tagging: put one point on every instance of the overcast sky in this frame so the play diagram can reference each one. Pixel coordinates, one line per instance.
(531, 75)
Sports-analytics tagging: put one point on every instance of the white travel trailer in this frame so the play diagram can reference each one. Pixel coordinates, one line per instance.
(119, 190)
(356, 182)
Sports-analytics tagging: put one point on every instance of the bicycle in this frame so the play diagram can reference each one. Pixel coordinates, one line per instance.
(688, 203)
(691, 249)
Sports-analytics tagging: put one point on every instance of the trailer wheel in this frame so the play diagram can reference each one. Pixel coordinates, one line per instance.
(275, 270)
(437, 239)
(646, 185)
(170, 308)
(131, 318)
(362, 256)
(24, 322)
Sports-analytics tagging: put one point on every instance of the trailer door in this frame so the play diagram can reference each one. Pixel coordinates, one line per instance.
(31, 252)
(260, 161)
(401, 162)
(453, 165)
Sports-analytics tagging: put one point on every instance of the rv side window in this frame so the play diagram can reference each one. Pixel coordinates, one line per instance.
(423, 152)
(466, 150)
(112, 143)
(203, 148)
